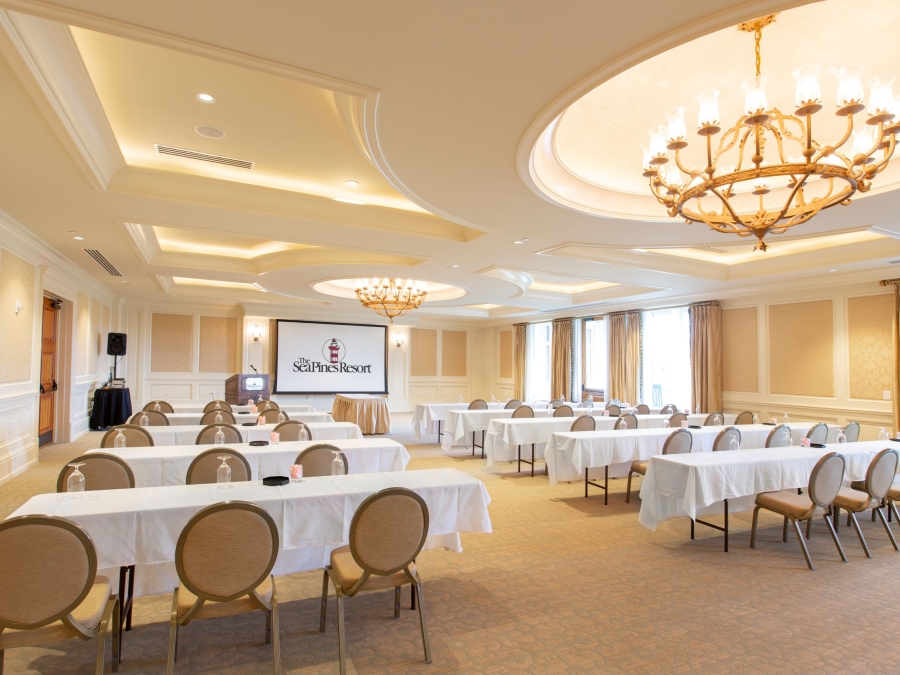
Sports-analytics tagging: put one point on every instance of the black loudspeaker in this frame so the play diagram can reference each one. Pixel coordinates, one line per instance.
(115, 344)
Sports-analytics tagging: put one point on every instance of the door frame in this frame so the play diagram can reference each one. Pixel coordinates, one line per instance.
(62, 427)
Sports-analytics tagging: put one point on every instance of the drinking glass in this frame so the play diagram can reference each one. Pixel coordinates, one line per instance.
(296, 473)
(217, 406)
(119, 441)
(734, 443)
(223, 473)
(785, 419)
(337, 464)
(882, 434)
(281, 417)
(220, 436)
(219, 418)
(755, 418)
(76, 478)
(717, 419)
(157, 407)
(698, 409)
(841, 438)
(665, 424)
(144, 420)
(461, 399)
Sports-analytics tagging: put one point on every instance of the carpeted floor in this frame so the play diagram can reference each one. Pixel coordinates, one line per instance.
(562, 585)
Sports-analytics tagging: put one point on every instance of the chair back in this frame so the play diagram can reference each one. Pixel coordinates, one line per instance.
(512, 404)
(627, 421)
(210, 417)
(226, 551)
(271, 415)
(204, 467)
(745, 417)
(614, 410)
(587, 403)
(164, 406)
(523, 411)
(262, 406)
(317, 459)
(642, 409)
(478, 404)
(714, 418)
(676, 419)
(135, 437)
(880, 474)
(615, 401)
(584, 423)
(818, 433)
(47, 569)
(826, 478)
(207, 435)
(723, 438)
(154, 419)
(851, 432)
(388, 531)
(564, 411)
(292, 430)
(101, 471)
(679, 442)
(668, 409)
(212, 406)
(555, 403)
(779, 437)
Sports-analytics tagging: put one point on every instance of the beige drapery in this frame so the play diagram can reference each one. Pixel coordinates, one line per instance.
(519, 360)
(632, 358)
(624, 356)
(561, 359)
(706, 356)
(616, 354)
(895, 367)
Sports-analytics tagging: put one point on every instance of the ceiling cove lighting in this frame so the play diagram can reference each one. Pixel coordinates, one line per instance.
(349, 201)
(206, 98)
(390, 297)
(352, 183)
(767, 173)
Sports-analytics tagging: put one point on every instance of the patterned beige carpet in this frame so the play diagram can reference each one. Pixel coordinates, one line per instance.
(563, 585)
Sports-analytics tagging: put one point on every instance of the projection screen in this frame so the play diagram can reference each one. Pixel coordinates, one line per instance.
(330, 358)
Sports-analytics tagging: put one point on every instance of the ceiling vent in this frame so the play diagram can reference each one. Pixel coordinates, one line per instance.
(712, 249)
(103, 262)
(894, 262)
(203, 157)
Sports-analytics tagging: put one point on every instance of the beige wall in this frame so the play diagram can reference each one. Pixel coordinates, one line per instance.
(218, 344)
(870, 345)
(506, 354)
(94, 337)
(171, 343)
(740, 349)
(423, 352)
(801, 348)
(453, 353)
(17, 283)
(82, 332)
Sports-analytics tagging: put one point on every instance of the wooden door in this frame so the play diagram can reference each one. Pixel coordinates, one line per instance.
(49, 332)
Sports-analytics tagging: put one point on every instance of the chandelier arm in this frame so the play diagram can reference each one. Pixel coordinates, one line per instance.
(846, 137)
(735, 132)
(680, 165)
(888, 153)
(741, 148)
(878, 140)
(790, 199)
(727, 206)
(778, 140)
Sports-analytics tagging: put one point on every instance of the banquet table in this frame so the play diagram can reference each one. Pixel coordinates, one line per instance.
(463, 422)
(193, 418)
(187, 434)
(369, 412)
(427, 417)
(141, 526)
(198, 408)
(168, 464)
(503, 435)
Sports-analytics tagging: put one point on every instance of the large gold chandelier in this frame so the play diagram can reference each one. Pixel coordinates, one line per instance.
(743, 190)
(390, 297)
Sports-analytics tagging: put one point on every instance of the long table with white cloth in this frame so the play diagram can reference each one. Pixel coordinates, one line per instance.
(199, 408)
(460, 423)
(187, 434)
(504, 435)
(193, 418)
(141, 526)
(168, 464)
(427, 417)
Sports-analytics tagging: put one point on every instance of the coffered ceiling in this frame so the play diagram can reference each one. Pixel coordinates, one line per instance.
(436, 111)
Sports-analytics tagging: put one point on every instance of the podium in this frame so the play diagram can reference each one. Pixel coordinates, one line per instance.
(239, 389)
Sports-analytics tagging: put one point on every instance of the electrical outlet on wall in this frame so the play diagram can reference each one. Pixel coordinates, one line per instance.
(13, 426)
(887, 394)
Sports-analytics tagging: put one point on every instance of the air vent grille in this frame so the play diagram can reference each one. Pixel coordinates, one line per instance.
(894, 262)
(103, 262)
(712, 249)
(203, 157)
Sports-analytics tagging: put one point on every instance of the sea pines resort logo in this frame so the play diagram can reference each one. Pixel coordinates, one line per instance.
(333, 351)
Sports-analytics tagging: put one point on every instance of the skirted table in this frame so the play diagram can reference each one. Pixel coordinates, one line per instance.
(368, 412)
(111, 407)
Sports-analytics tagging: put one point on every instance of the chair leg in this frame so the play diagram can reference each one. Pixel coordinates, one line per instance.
(116, 636)
(836, 517)
(837, 542)
(893, 508)
(519, 465)
(693, 522)
(862, 539)
(342, 654)
(628, 487)
(417, 589)
(268, 639)
(808, 527)
(1, 661)
(784, 531)
(324, 602)
(483, 432)
(802, 544)
(173, 636)
(887, 528)
(412, 599)
(276, 633)
(397, 602)
(753, 527)
(532, 460)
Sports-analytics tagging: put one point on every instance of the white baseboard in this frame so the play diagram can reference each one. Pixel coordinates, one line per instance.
(18, 461)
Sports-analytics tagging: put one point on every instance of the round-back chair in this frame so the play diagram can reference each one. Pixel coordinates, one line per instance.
(154, 419)
(870, 494)
(676, 419)
(135, 436)
(613, 410)
(851, 432)
(512, 404)
(292, 430)
(587, 403)
(714, 419)
(212, 406)
(627, 421)
(478, 404)
(317, 459)
(678, 442)
(523, 411)
(779, 437)
(724, 437)
(207, 435)
(584, 423)
(101, 471)
(564, 411)
(210, 417)
(555, 403)
(164, 406)
(204, 467)
(642, 409)
(818, 433)
(668, 409)
(264, 405)
(271, 415)
(745, 417)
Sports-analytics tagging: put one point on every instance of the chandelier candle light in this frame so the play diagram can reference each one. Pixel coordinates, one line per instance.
(390, 297)
(739, 190)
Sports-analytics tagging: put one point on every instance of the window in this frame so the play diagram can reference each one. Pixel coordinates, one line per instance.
(666, 357)
(537, 362)
(596, 355)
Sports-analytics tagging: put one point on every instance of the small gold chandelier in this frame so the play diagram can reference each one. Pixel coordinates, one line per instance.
(730, 193)
(390, 297)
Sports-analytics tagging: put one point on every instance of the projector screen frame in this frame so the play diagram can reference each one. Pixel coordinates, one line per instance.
(276, 390)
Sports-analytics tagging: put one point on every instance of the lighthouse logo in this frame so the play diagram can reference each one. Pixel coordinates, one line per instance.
(333, 351)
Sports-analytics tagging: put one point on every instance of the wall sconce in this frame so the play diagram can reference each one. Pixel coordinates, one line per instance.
(400, 339)
(255, 331)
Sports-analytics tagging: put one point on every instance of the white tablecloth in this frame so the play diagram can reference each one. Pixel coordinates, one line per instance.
(697, 484)
(463, 422)
(187, 434)
(193, 418)
(168, 464)
(198, 408)
(503, 435)
(141, 526)
(426, 415)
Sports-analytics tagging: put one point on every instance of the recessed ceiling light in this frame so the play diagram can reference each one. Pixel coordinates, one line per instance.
(639, 250)
(352, 183)
(832, 270)
(209, 131)
(453, 266)
(518, 241)
(525, 239)
(78, 238)
(206, 98)
(348, 201)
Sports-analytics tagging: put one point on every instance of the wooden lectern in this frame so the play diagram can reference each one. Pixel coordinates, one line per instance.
(239, 389)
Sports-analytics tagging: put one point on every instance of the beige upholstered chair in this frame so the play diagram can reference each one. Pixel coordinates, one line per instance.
(613, 410)
(893, 496)
(668, 409)
(262, 406)
(207, 435)
(584, 423)
(555, 403)
(224, 558)
(628, 421)
(49, 588)
(210, 417)
(779, 437)
(525, 411)
(824, 483)
(676, 419)
(564, 411)
(478, 404)
(101, 472)
(723, 438)
(154, 419)
(204, 467)
(818, 433)
(679, 442)
(316, 460)
(745, 417)
(164, 406)
(292, 430)
(851, 432)
(869, 494)
(212, 406)
(512, 404)
(714, 419)
(135, 437)
(271, 415)
(587, 403)
(642, 409)
(615, 401)
(387, 532)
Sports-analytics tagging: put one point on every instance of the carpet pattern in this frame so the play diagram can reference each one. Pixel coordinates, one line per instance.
(563, 585)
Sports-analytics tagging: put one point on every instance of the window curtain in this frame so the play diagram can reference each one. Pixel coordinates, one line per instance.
(624, 356)
(633, 358)
(616, 370)
(706, 356)
(519, 361)
(561, 364)
(895, 395)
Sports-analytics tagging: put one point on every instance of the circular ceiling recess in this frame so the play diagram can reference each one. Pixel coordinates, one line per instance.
(209, 131)
(346, 288)
(589, 157)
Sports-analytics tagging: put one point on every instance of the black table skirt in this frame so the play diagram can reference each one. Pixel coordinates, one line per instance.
(111, 407)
